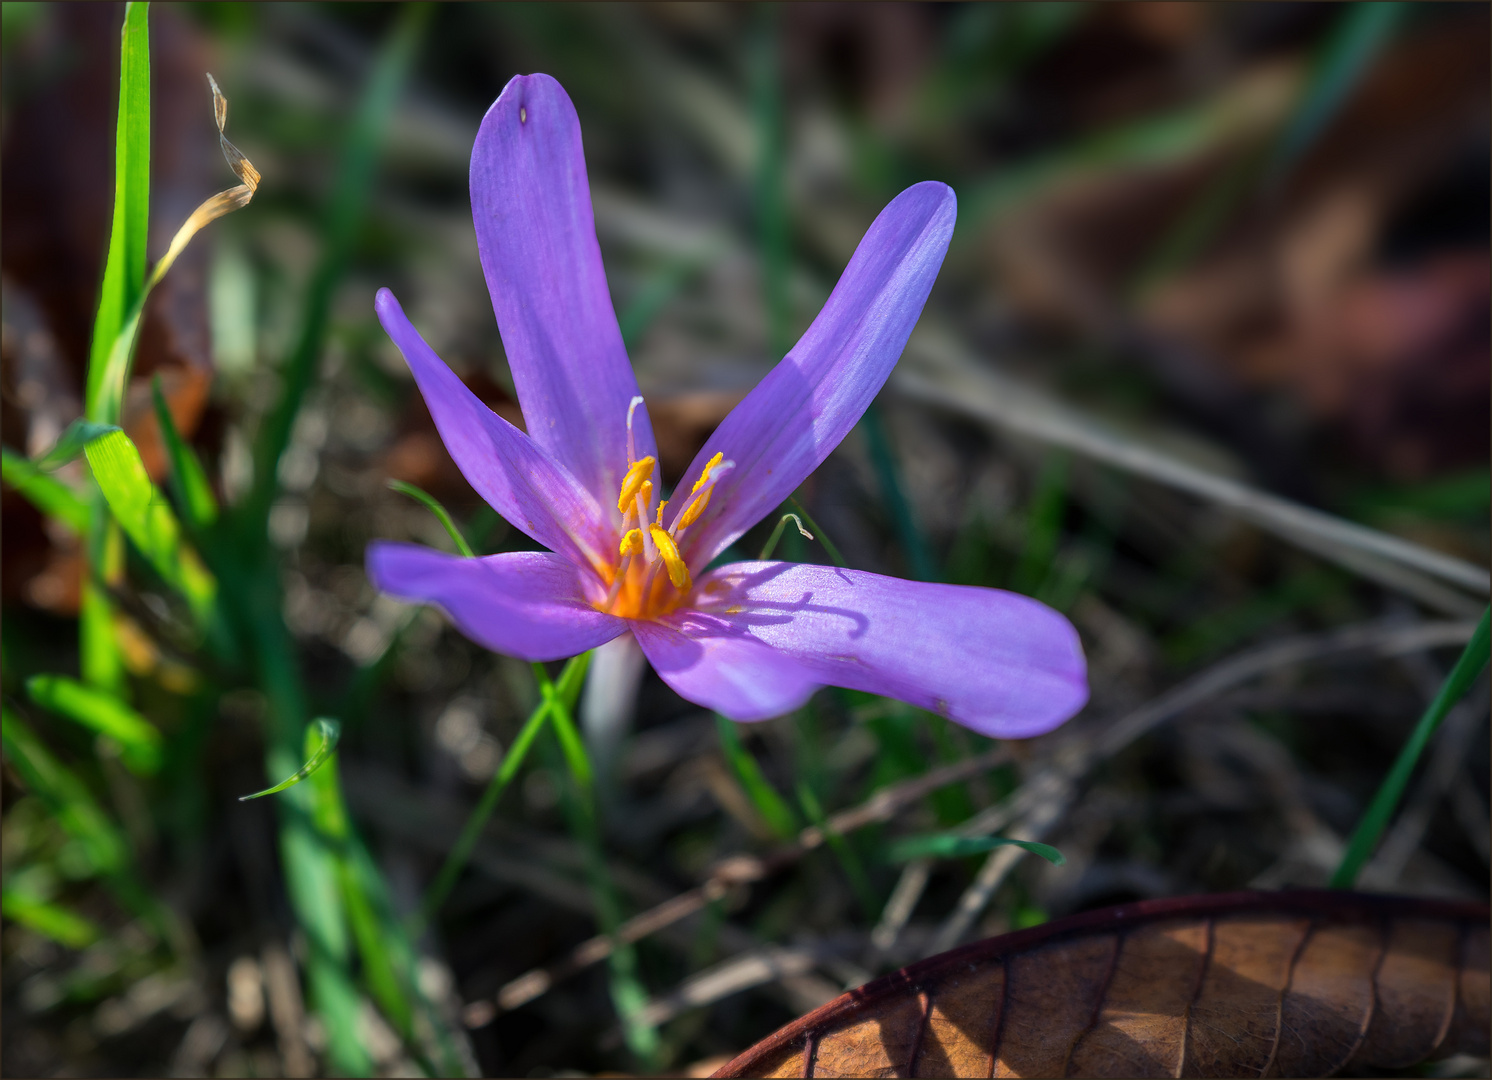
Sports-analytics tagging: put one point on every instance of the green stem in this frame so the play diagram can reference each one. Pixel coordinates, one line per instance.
(568, 686)
(1370, 829)
(818, 531)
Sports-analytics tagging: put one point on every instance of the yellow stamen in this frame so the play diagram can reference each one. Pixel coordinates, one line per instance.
(631, 543)
(659, 519)
(692, 511)
(709, 468)
(678, 573)
(700, 502)
(632, 483)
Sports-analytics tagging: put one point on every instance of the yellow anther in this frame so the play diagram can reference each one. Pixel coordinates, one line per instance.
(658, 520)
(632, 483)
(632, 542)
(692, 511)
(709, 468)
(678, 573)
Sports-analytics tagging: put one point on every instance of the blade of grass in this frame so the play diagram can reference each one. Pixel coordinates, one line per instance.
(50, 920)
(48, 494)
(628, 995)
(818, 531)
(771, 544)
(433, 505)
(124, 268)
(1359, 37)
(567, 688)
(124, 278)
(1370, 829)
(147, 518)
(854, 869)
(329, 733)
(769, 804)
(65, 796)
(952, 846)
(189, 481)
(883, 458)
(1044, 525)
(102, 712)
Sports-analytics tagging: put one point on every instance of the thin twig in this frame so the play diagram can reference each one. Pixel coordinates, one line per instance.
(738, 870)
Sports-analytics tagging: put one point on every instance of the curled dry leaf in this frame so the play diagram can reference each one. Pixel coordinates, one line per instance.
(1242, 984)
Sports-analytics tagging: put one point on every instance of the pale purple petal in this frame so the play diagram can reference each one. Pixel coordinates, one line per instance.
(787, 426)
(713, 663)
(537, 239)
(530, 604)
(518, 479)
(1000, 663)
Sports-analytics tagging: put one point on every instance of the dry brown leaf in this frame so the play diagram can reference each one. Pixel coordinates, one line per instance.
(1244, 984)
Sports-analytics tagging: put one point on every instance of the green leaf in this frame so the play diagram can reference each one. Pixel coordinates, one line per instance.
(147, 519)
(951, 846)
(124, 270)
(48, 494)
(1361, 33)
(769, 804)
(433, 505)
(1370, 829)
(71, 442)
(49, 920)
(321, 740)
(104, 713)
(188, 479)
(65, 796)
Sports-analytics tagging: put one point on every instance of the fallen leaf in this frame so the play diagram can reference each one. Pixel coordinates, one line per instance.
(1242, 984)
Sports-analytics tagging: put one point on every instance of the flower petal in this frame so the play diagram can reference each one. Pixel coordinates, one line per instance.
(531, 604)
(1000, 663)
(517, 478)
(789, 423)
(537, 238)
(714, 663)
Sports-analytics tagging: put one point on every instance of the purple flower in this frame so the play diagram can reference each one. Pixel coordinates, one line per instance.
(751, 640)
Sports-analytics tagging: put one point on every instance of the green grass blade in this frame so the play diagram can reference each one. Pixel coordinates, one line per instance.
(124, 269)
(1044, 526)
(883, 458)
(48, 494)
(64, 795)
(950, 846)
(567, 688)
(769, 804)
(628, 995)
(818, 531)
(849, 861)
(433, 505)
(571, 744)
(71, 442)
(771, 544)
(1370, 829)
(104, 713)
(322, 738)
(1361, 33)
(47, 919)
(147, 519)
(99, 658)
(189, 480)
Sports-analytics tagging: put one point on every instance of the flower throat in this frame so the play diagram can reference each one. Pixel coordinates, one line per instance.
(650, 577)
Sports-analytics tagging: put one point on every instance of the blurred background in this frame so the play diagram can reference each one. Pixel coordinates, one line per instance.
(1251, 239)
